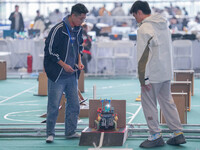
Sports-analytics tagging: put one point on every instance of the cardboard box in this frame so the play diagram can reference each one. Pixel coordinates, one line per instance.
(42, 84)
(61, 112)
(89, 135)
(81, 82)
(60, 115)
(185, 75)
(107, 138)
(106, 30)
(84, 110)
(180, 99)
(182, 86)
(3, 71)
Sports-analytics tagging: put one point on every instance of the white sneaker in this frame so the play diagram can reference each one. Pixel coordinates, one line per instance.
(75, 135)
(49, 139)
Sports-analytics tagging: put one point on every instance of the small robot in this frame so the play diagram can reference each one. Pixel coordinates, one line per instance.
(106, 118)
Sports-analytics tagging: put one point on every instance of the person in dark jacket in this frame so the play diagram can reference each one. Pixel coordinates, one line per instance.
(62, 63)
(87, 44)
(17, 22)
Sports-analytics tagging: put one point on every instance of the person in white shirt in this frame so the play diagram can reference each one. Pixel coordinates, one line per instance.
(154, 49)
(119, 12)
(55, 17)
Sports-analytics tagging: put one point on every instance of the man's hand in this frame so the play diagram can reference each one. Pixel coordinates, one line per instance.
(68, 68)
(146, 87)
(80, 66)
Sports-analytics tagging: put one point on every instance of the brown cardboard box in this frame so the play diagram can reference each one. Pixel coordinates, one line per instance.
(81, 81)
(3, 70)
(182, 86)
(42, 84)
(89, 135)
(181, 104)
(106, 30)
(61, 114)
(84, 110)
(185, 75)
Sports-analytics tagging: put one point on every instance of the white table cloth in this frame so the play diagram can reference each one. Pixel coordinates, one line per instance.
(19, 50)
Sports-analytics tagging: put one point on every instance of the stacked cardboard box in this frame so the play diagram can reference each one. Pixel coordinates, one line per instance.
(180, 99)
(42, 84)
(3, 71)
(81, 81)
(185, 75)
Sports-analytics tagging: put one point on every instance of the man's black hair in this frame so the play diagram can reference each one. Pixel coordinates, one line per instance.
(79, 9)
(140, 5)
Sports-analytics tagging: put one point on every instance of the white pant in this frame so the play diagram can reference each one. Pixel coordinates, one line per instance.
(162, 93)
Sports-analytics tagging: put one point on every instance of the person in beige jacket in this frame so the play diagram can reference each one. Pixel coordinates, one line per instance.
(154, 50)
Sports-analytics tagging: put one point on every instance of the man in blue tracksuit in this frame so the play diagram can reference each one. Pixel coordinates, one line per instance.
(62, 63)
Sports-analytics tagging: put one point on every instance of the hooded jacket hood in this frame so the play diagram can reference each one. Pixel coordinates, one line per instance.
(66, 20)
(157, 20)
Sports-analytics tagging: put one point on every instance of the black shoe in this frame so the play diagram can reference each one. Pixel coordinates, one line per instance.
(155, 143)
(176, 140)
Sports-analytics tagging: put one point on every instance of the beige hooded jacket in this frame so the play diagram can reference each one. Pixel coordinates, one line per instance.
(154, 50)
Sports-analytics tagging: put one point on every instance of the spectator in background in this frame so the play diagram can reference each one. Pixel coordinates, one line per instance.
(114, 11)
(103, 11)
(194, 25)
(87, 43)
(198, 14)
(175, 25)
(153, 10)
(38, 16)
(39, 22)
(94, 12)
(185, 11)
(197, 19)
(118, 11)
(55, 17)
(178, 11)
(17, 22)
(92, 16)
(171, 10)
(165, 12)
(105, 15)
(185, 24)
(66, 11)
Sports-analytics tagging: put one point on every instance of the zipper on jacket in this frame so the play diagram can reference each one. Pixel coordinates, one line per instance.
(65, 58)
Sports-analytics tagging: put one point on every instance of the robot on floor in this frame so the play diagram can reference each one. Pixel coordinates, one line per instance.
(106, 118)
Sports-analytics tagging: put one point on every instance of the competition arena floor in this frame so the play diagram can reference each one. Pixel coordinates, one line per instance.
(19, 108)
